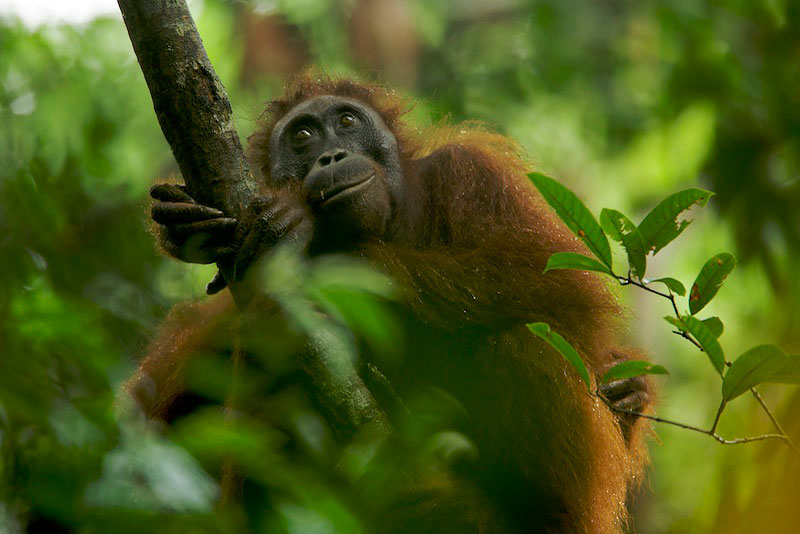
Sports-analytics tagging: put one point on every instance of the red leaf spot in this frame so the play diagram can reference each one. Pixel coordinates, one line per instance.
(581, 233)
(695, 295)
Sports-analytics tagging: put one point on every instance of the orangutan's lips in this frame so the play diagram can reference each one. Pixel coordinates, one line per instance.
(342, 190)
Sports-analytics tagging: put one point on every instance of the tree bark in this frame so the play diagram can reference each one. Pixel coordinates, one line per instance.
(196, 118)
(190, 102)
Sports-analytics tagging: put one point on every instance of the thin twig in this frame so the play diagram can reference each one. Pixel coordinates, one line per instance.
(775, 422)
(630, 281)
(719, 414)
(669, 296)
(690, 339)
(736, 441)
(710, 433)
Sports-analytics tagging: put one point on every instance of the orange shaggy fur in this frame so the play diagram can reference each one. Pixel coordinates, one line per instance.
(469, 246)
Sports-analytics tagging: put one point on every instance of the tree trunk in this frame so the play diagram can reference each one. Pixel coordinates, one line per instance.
(190, 102)
(196, 118)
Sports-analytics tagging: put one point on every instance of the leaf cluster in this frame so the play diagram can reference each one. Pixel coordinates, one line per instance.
(661, 226)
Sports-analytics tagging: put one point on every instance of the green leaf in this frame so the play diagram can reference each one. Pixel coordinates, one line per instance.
(566, 350)
(710, 280)
(704, 336)
(365, 314)
(714, 325)
(342, 271)
(621, 229)
(572, 260)
(674, 285)
(789, 373)
(633, 368)
(574, 214)
(660, 226)
(753, 367)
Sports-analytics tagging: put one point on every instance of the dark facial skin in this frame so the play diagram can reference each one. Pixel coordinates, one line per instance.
(347, 162)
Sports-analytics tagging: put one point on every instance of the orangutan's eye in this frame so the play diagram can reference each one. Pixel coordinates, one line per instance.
(347, 119)
(303, 134)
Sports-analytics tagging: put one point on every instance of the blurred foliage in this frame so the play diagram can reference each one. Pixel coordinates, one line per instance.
(624, 101)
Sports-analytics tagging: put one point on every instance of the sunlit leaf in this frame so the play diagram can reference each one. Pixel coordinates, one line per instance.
(789, 373)
(572, 260)
(363, 313)
(341, 271)
(632, 368)
(621, 229)
(566, 350)
(576, 216)
(714, 324)
(357, 294)
(753, 367)
(710, 279)
(661, 226)
(449, 446)
(674, 285)
(704, 336)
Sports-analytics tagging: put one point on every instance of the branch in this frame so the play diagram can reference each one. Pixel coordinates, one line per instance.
(190, 102)
(712, 432)
(196, 118)
(623, 280)
(775, 422)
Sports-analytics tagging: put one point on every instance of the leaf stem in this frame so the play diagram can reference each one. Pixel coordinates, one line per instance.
(719, 414)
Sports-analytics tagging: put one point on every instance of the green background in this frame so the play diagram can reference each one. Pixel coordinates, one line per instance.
(625, 102)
